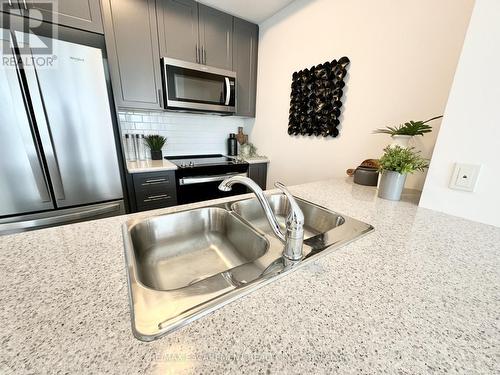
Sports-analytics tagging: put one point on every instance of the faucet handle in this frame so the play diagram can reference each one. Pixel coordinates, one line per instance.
(296, 215)
(294, 236)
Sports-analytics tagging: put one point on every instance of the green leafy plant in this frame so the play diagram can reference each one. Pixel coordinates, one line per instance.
(402, 160)
(155, 142)
(410, 128)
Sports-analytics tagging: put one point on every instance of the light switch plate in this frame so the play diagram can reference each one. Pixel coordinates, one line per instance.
(465, 177)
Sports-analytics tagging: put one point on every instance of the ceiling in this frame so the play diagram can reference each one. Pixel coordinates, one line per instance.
(251, 10)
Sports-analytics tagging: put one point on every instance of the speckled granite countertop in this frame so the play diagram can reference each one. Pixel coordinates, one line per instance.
(253, 159)
(421, 294)
(141, 166)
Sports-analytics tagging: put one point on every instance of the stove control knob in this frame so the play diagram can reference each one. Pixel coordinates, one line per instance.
(191, 164)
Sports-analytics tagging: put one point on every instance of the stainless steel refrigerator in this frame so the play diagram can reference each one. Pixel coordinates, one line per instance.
(58, 154)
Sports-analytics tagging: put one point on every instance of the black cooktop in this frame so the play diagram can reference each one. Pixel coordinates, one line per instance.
(196, 161)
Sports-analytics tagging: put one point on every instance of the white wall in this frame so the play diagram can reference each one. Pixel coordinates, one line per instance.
(187, 134)
(470, 132)
(403, 56)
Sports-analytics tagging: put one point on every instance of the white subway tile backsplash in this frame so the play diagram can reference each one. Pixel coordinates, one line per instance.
(142, 126)
(185, 133)
(127, 125)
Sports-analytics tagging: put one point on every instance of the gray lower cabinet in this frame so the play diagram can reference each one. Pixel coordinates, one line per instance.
(216, 37)
(80, 14)
(154, 190)
(258, 173)
(132, 44)
(245, 46)
(178, 29)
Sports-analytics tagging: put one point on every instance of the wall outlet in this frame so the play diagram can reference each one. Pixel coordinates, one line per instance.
(464, 177)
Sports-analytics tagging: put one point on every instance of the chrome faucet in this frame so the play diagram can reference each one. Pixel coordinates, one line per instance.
(294, 235)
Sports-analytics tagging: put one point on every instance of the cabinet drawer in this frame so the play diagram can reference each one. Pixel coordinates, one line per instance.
(148, 181)
(154, 190)
(155, 198)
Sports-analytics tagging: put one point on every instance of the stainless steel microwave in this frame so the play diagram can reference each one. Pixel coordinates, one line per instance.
(195, 87)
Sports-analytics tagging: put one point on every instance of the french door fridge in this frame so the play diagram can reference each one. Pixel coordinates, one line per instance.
(58, 154)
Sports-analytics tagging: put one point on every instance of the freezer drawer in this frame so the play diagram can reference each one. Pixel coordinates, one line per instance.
(60, 217)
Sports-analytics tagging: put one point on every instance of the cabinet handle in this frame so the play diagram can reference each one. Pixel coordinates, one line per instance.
(154, 181)
(25, 6)
(10, 2)
(157, 197)
(203, 55)
(197, 54)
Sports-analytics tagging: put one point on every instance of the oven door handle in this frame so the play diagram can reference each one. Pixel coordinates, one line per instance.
(228, 91)
(204, 179)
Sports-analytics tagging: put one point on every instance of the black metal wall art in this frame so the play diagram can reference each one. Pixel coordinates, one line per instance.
(315, 100)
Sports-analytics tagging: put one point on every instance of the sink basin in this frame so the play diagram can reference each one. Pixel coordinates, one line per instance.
(316, 219)
(178, 250)
(184, 265)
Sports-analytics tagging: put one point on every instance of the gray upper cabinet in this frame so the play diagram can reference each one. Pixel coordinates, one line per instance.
(245, 46)
(80, 14)
(12, 7)
(216, 37)
(134, 59)
(194, 32)
(178, 29)
(139, 32)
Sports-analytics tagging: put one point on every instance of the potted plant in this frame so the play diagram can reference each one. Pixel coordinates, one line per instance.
(396, 163)
(402, 133)
(155, 143)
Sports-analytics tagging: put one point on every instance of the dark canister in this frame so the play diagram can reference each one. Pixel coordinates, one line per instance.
(232, 145)
(366, 176)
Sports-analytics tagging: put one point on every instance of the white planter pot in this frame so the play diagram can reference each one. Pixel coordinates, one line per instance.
(391, 185)
(401, 140)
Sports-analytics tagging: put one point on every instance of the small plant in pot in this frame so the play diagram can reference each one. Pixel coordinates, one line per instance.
(396, 163)
(155, 143)
(402, 133)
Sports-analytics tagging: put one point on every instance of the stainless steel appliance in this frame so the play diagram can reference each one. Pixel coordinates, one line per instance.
(58, 154)
(195, 87)
(198, 176)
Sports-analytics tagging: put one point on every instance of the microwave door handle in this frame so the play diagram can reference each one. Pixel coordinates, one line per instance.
(228, 91)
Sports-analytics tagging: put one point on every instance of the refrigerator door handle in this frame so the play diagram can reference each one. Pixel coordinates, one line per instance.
(43, 125)
(33, 158)
(55, 173)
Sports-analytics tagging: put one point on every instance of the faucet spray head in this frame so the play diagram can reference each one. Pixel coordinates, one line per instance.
(224, 186)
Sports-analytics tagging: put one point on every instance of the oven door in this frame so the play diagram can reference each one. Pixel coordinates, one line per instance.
(190, 86)
(201, 188)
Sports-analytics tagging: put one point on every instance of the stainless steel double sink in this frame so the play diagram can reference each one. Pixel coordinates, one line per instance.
(184, 265)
